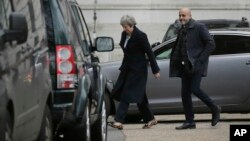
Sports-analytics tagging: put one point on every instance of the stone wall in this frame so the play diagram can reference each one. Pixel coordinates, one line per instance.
(154, 16)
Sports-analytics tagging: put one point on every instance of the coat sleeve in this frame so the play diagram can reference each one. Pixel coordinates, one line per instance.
(208, 42)
(146, 46)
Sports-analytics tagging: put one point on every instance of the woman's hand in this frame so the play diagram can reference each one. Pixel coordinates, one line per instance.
(157, 75)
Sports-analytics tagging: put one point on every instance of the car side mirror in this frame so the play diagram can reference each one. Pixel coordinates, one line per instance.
(104, 44)
(18, 29)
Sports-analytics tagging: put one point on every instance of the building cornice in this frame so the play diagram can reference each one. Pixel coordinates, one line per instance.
(165, 7)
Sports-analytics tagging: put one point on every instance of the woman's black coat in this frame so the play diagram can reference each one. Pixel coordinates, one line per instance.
(131, 84)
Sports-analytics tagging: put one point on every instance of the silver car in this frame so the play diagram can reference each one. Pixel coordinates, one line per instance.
(227, 83)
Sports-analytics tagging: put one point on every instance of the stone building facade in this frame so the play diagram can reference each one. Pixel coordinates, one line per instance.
(154, 16)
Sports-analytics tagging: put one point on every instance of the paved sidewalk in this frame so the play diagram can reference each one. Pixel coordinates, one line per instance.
(165, 130)
(115, 135)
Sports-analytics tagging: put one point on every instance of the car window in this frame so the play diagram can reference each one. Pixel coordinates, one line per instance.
(171, 33)
(220, 25)
(164, 52)
(5, 7)
(82, 29)
(231, 44)
(2, 15)
(64, 10)
(61, 30)
(32, 15)
(164, 55)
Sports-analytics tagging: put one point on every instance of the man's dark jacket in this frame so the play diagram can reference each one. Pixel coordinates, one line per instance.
(131, 83)
(199, 45)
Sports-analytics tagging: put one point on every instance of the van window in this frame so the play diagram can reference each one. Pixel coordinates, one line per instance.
(32, 15)
(64, 10)
(5, 9)
(2, 15)
(82, 28)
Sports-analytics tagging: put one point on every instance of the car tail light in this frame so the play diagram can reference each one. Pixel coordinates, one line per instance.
(66, 67)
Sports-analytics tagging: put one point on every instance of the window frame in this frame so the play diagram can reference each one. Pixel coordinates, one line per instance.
(7, 8)
(165, 48)
(233, 37)
(83, 31)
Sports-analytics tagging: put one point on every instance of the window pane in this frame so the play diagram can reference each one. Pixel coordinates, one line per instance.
(2, 14)
(81, 29)
(164, 55)
(164, 52)
(5, 9)
(231, 44)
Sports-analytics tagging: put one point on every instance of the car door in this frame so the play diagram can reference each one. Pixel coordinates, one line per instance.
(30, 62)
(12, 68)
(228, 72)
(84, 59)
(15, 60)
(37, 77)
(90, 66)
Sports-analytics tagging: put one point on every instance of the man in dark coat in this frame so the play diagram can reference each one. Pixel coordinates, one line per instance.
(131, 84)
(189, 60)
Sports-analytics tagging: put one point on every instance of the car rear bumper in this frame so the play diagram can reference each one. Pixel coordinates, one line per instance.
(63, 97)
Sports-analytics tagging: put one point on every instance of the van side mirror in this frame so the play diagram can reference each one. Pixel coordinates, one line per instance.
(104, 44)
(18, 30)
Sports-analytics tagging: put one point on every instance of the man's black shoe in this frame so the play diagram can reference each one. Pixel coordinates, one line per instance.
(186, 125)
(216, 116)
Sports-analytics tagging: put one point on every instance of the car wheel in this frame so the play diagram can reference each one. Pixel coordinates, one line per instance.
(86, 123)
(99, 130)
(88, 128)
(107, 104)
(46, 132)
(83, 130)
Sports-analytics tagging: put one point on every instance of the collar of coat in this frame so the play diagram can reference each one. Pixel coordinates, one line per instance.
(191, 23)
(133, 36)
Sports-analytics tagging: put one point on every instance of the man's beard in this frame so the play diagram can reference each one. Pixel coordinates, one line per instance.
(184, 22)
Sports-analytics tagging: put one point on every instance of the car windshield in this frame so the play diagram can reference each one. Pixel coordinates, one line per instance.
(171, 32)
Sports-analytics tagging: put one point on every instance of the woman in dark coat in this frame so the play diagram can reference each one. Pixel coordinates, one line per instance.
(131, 84)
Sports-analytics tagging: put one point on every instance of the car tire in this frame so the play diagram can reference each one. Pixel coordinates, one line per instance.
(46, 131)
(75, 129)
(84, 131)
(99, 130)
(6, 129)
(107, 104)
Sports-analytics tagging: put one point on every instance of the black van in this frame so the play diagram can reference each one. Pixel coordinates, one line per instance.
(78, 85)
(25, 84)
